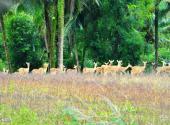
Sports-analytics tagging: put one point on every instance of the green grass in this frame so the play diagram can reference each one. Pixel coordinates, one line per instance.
(84, 100)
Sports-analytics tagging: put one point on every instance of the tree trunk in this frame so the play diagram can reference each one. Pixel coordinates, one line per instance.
(53, 36)
(156, 32)
(83, 58)
(5, 44)
(48, 32)
(77, 58)
(72, 7)
(60, 32)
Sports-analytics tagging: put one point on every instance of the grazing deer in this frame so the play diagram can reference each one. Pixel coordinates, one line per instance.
(41, 70)
(136, 70)
(24, 70)
(90, 70)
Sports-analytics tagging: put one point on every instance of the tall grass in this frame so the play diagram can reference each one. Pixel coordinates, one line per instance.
(75, 99)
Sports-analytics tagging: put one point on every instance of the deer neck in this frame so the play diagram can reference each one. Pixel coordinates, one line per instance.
(144, 65)
(164, 64)
(28, 66)
(119, 65)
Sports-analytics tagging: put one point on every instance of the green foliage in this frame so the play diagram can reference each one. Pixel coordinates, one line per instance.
(25, 116)
(2, 65)
(163, 55)
(23, 41)
(101, 30)
(132, 47)
(2, 54)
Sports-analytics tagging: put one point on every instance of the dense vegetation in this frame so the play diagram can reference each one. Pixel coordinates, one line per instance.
(83, 31)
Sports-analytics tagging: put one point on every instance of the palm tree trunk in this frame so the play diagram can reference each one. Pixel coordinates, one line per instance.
(5, 44)
(60, 32)
(53, 36)
(72, 7)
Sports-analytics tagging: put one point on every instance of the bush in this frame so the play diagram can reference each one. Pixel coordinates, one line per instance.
(23, 41)
(25, 116)
(132, 47)
(163, 55)
(2, 65)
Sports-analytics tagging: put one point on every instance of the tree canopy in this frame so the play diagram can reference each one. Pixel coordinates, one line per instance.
(80, 32)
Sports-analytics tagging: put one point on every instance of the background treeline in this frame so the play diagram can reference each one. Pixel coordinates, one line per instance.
(81, 32)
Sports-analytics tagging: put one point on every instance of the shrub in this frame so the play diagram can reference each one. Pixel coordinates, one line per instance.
(23, 41)
(25, 116)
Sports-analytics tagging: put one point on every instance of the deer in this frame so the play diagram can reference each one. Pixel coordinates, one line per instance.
(24, 70)
(100, 70)
(163, 69)
(90, 70)
(124, 69)
(136, 70)
(113, 69)
(74, 70)
(111, 62)
(41, 70)
(54, 71)
(5, 71)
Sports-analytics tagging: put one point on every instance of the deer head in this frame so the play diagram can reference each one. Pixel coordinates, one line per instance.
(75, 67)
(106, 64)
(95, 64)
(111, 62)
(28, 64)
(163, 63)
(119, 62)
(144, 63)
(45, 65)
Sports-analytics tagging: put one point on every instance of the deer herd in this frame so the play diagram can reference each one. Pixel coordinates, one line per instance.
(107, 68)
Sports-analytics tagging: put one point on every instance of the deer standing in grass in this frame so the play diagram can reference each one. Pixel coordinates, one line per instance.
(163, 69)
(24, 70)
(41, 70)
(90, 70)
(5, 71)
(100, 70)
(113, 69)
(74, 70)
(54, 71)
(124, 69)
(136, 70)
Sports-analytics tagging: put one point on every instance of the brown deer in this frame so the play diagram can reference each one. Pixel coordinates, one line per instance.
(24, 70)
(136, 70)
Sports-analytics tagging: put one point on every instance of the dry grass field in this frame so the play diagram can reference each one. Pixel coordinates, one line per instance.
(75, 99)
